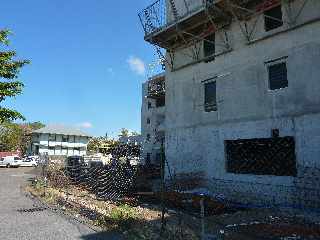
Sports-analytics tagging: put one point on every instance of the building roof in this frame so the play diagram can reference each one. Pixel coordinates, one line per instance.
(63, 130)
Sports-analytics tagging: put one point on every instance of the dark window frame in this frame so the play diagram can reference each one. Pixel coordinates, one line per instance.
(262, 156)
(271, 17)
(277, 75)
(160, 102)
(148, 158)
(52, 137)
(209, 47)
(210, 99)
(148, 137)
(65, 137)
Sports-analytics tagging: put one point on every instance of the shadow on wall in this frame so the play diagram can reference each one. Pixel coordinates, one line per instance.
(103, 236)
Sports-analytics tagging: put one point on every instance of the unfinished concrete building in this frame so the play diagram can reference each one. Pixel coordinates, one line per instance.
(153, 118)
(242, 94)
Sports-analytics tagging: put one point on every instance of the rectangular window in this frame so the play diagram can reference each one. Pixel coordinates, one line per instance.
(210, 101)
(273, 18)
(148, 137)
(209, 47)
(65, 138)
(158, 158)
(262, 156)
(148, 159)
(52, 137)
(160, 102)
(278, 76)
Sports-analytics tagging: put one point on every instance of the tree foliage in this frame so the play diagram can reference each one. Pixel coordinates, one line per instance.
(15, 136)
(9, 71)
(124, 132)
(135, 133)
(100, 144)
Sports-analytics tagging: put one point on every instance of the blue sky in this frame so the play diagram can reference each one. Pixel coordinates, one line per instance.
(88, 59)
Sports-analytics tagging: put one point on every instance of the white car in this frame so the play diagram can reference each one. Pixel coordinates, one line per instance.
(12, 161)
(29, 162)
(2, 164)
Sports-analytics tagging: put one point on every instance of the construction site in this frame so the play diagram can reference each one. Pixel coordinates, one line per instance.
(242, 111)
(230, 135)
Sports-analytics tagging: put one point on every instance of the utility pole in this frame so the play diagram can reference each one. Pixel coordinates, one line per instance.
(162, 169)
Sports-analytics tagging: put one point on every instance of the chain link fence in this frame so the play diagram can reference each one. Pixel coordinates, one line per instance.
(232, 209)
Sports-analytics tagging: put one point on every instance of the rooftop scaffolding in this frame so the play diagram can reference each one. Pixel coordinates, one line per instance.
(156, 87)
(170, 26)
(167, 27)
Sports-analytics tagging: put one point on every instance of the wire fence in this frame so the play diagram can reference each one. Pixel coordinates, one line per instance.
(109, 182)
(232, 210)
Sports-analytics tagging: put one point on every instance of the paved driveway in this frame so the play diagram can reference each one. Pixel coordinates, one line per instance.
(16, 223)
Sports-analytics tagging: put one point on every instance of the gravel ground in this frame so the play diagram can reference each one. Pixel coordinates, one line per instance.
(23, 218)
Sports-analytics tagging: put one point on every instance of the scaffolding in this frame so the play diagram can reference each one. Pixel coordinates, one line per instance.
(156, 87)
(168, 27)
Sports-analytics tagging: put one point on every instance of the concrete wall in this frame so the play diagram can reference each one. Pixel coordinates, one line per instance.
(156, 115)
(246, 106)
(184, 7)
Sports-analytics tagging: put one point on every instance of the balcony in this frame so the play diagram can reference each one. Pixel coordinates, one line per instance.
(156, 87)
(172, 24)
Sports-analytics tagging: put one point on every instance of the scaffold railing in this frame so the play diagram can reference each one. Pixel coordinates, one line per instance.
(163, 13)
(173, 26)
(154, 17)
(156, 87)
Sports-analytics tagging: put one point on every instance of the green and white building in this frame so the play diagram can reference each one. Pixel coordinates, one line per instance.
(58, 140)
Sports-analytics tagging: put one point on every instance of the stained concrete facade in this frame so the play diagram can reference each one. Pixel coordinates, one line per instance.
(152, 125)
(246, 107)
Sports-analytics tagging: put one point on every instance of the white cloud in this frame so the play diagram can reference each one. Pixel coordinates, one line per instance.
(85, 125)
(136, 65)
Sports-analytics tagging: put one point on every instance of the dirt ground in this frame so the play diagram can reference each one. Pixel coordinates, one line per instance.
(140, 219)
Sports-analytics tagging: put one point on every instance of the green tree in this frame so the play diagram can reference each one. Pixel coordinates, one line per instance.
(36, 125)
(9, 71)
(124, 132)
(15, 136)
(10, 137)
(26, 134)
(134, 133)
(94, 144)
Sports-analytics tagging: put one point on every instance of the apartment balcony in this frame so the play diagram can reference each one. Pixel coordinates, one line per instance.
(157, 87)
(171, 24)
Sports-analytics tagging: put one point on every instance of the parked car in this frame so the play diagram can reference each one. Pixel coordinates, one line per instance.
(73, 165)
(34, 157)
(2, 164)
(95, 164)
(12, 161)
(29, 162)
(74, 161)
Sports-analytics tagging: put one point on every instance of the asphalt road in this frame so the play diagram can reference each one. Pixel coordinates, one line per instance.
(16, 222)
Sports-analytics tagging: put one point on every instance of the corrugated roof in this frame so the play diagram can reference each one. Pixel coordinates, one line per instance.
(63, 130)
